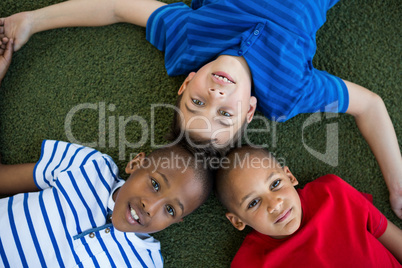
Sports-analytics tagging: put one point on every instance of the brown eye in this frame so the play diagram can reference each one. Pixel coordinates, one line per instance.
(170, 210)
(225, 113)
(253, 203)
(155, 185)
(275, 184)
(197, 102)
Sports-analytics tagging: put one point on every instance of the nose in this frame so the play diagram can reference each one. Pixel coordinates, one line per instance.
(216, 92)
(151, 206)
(274, 204)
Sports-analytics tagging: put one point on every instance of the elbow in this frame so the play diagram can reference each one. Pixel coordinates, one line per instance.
(369, 105)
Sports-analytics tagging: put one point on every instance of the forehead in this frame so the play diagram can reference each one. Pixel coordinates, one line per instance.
(204, 124)
(182, 184)
(251, 171)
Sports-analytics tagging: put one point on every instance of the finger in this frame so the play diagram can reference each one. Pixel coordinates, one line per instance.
(3, 40)
(2, 21)
(8, 53)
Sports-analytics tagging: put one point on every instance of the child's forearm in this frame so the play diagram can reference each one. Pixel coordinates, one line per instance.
(17, 178)
(76, 13)
(376, 127)
(392, 240)
(73, 14)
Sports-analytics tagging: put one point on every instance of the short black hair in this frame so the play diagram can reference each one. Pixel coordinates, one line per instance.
(222, 179)
(194, 162)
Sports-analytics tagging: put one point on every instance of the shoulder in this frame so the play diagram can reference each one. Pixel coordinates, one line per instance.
(328, 187)
(59, 156)
(329, 181)
(251, 252)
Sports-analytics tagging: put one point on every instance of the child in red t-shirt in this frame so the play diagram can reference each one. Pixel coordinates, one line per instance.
(328, 223)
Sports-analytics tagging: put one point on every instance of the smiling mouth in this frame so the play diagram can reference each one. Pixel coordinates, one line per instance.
(134, 214)
(223, 78)
(283, 216)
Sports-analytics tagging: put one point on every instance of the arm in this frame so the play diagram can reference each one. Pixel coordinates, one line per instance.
(376, 127)
(392, 240)
(6, 53)
(17, 178)
(74, 13)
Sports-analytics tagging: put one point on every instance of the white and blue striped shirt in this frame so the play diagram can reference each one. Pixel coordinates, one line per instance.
(276, 38)
(65, 223)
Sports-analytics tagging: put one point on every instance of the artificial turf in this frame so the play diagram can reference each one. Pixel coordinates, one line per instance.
(116, 74)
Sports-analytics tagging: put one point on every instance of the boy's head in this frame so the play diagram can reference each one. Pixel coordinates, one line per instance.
(162, 188)
(258, 192)
(215, 102)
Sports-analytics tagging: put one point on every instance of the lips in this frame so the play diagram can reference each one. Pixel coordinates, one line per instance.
(222, 78)
(132, 216)
(283, 216)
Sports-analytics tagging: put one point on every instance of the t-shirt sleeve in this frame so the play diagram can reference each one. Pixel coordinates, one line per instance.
(167, 31)
(57, 157)
(324, 93)
(376, 222)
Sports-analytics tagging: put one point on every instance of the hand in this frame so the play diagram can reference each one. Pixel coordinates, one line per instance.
(17, 27)
(6, 52)
(396, 203)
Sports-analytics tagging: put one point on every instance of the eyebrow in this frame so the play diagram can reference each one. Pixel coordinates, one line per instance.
(164, 178)
(181, 206)
(220, 121)
(248, 195)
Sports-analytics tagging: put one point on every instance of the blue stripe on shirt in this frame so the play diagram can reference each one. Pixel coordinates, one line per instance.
(135, 251)
(150, 255)
(50, 161)
(15, 233)
(62, 158)
(32, 231)
(50, 230)
(107, 161)
(66, 232)
(105, 249)
(94, 192)
(71, 205)
(101, 177)
(3, 255)
(73, 158)
(123, 254)
(84, 203)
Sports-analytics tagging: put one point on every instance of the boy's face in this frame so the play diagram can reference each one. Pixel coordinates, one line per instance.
(217, 99)
(154, 196)
(266, 200)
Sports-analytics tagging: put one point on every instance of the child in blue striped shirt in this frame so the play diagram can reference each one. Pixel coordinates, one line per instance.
(73, 209)
(235, 53)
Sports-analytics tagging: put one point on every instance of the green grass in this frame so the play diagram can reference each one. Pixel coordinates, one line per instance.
(114, 65)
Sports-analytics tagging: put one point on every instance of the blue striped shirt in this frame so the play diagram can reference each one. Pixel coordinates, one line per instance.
(65, 223)
(276, 37)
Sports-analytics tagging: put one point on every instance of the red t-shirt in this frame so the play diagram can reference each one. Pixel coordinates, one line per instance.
(339, 228)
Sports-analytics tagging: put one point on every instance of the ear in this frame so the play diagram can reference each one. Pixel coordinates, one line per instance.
(251, 110)
(292, 178)
(235, 221)
(185, 83)
(135, 163)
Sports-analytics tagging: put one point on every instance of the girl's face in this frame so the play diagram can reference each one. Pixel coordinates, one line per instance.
(154, 196)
